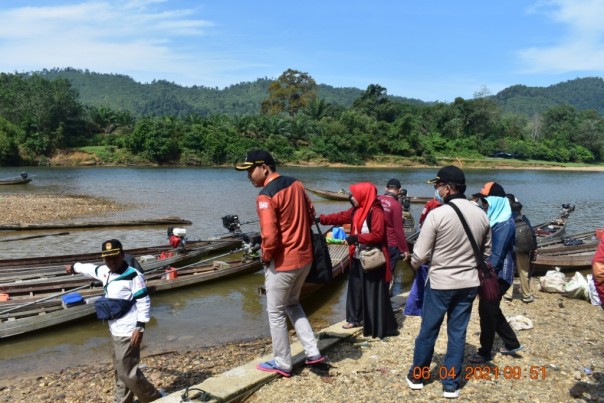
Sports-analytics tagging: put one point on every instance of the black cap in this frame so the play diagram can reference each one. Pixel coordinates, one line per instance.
(394, 183)
(449, 174)
(256, 158)
(111, 247)
(492, 189)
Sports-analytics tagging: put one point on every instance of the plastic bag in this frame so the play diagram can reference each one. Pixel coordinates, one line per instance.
(593, 293)
(520, 322)
(577, 287)
(553, 281)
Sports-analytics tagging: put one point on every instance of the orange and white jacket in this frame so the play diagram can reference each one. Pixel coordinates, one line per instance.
(285, 214)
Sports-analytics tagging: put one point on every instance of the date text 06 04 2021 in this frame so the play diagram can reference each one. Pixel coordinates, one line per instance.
(534, 373)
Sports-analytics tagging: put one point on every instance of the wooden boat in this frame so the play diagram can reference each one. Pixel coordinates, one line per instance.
(573, 258)
(22, 264)
(554, 228)
(565, 242)
(17, 180)
(343, 195)
(25, 316)
(340, 195)
(149, 262)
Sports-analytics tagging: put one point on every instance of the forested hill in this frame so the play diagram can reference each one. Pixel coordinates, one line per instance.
(120, 92)
(581, 93)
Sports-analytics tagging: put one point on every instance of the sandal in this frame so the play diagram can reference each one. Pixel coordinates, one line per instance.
(350, 325)
(271, 366)
(510, 351)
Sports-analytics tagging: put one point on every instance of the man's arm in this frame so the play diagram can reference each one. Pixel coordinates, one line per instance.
(269, 228)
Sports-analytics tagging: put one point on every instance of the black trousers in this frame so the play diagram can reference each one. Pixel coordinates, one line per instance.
(492, 321)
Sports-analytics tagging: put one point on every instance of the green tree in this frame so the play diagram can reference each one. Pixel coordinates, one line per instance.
(290, 93)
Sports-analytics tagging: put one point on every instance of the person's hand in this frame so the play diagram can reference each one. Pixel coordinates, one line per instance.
(317, 219)
(406, 256)
(69, 269)
(136, 338)
(352, 239)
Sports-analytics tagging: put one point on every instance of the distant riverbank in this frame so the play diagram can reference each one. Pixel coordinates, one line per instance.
(77, 158)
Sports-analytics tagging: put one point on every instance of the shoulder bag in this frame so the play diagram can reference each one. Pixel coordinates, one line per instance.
(372, 258)
(489, 284)
(321, 268)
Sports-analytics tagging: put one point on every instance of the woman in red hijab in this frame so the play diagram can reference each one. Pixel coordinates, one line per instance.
(368, 299)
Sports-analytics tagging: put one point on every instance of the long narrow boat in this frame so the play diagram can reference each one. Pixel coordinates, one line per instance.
(17, 180)
(343, 195)
(25, 316)
(564, 242)
(45, 261)
(573, 258)
(554, 228)
(34, 280)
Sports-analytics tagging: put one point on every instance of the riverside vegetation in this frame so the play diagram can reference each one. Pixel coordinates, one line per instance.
(296, 119)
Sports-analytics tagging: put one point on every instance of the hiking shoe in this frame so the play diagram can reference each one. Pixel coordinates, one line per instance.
(315, 360)
(479, 359)
(415, 384)
(451, 394)
(271, 366)
(528, 300)
(507, 299)
(510, 351)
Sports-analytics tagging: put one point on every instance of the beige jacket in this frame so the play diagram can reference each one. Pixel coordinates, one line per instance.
(444, 243)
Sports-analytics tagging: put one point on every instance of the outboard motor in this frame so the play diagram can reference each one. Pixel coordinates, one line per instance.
(232, 224)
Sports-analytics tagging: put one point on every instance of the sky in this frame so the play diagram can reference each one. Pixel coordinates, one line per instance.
(432, 50)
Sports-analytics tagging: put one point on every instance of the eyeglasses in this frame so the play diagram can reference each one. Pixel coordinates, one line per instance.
(439, 185)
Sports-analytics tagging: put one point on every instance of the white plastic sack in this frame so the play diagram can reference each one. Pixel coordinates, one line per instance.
(577, 287)
(553, 281)
(520, 322)
(593, 294)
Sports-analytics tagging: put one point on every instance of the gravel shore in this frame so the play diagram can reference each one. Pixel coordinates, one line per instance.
(564, 350)
(563, 358)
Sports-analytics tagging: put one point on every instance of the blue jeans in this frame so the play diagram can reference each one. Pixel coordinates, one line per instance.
(457, 305)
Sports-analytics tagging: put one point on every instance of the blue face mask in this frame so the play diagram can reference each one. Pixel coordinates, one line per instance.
(438, 197)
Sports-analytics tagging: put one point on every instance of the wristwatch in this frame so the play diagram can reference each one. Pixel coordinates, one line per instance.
(140, 329)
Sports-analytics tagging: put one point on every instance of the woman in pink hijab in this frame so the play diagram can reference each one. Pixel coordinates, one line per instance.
(368, 299)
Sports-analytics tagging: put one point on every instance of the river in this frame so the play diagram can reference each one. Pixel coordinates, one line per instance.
(231, 310)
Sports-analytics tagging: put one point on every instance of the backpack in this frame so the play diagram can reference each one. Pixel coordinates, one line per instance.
(525, 240)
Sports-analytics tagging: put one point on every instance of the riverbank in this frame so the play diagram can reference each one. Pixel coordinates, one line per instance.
(562, 361)
(83, 158)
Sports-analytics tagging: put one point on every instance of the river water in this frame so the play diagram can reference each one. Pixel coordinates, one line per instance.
(231, 310)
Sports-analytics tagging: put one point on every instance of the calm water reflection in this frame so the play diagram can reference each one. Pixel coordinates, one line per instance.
(231, 310)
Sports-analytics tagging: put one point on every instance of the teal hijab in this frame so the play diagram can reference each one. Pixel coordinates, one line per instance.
(499, 209)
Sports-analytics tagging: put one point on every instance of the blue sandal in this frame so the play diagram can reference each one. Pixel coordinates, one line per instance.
(271, 366)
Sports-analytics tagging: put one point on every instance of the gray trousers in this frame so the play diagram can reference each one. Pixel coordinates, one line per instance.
(129, 380)
(283, 298)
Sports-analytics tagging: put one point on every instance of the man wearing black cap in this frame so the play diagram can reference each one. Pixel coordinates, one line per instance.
(286, 214)
(123, 282)
(452, 279)
(397, 243)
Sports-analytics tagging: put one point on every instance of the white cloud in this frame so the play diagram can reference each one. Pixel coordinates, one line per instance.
(134, 37)
(582, 46)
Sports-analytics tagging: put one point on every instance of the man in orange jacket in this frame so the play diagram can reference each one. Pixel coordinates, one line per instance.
(286, 214)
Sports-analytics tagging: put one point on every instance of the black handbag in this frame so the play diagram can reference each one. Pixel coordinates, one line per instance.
(321, 270)
(112, 308)
(489, 283)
